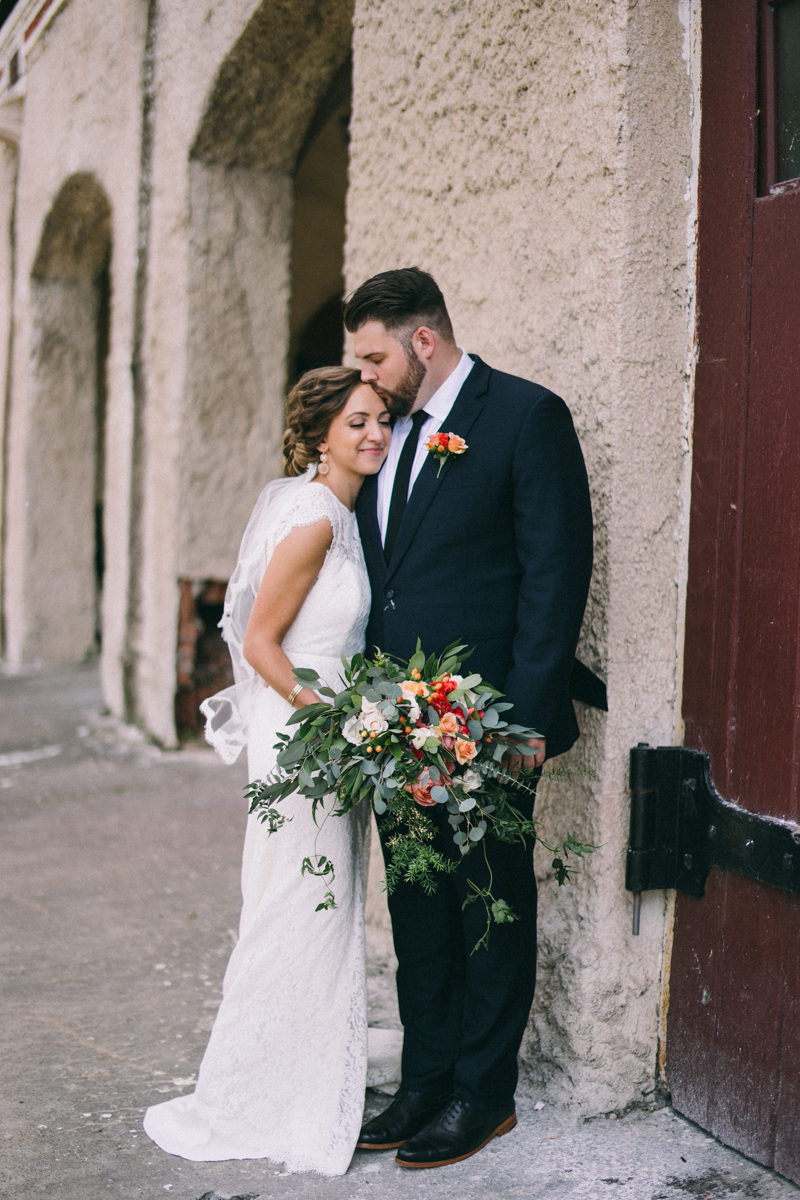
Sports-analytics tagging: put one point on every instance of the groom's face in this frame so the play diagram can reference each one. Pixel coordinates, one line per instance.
(390, 366)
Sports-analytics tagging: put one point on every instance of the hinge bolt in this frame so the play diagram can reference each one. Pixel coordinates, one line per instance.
(750, 847)
(687, 861)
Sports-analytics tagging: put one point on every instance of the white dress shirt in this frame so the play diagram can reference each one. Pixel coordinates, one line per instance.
(438, 407)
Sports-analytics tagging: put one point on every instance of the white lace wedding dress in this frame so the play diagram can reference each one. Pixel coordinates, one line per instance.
(285, 1070)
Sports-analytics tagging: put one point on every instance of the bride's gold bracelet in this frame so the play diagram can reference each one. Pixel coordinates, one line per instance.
(294, 693)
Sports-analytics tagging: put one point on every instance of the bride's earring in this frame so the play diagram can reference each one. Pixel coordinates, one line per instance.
(323, 467)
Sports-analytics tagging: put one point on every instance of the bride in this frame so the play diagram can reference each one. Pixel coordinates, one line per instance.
(284, 1073)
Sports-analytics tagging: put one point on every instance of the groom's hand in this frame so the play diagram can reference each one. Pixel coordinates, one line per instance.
(518, 760)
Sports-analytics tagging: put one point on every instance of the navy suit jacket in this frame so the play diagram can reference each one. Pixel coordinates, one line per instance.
(494, 551)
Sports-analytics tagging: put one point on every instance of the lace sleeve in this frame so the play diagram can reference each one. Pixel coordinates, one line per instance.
(312, 504)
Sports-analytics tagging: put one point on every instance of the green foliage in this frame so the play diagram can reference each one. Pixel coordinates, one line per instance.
(373, 742)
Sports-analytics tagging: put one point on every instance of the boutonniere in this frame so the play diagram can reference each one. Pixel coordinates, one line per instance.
(444, 446)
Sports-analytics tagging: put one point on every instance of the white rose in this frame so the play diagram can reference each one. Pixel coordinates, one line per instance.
(413, 711)
(372, 719)
(470, 780)
(351, 730)
(420, 736)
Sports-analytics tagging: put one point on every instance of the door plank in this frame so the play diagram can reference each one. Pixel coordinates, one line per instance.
(764, 768)
(787, 1133)
(727, 190)
(693, 999)
(750, 1003)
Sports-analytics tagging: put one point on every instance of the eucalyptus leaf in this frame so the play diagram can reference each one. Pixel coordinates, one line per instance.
(434, 774)
(475, 729)
(433, 716)
(440, 794)
(292, 754)
(468, 804)
(476, 834)
(370, 768)
(459, 837)
(390, 767)
(470, 682)
(380, 806)
(490, 718)
(307, 677)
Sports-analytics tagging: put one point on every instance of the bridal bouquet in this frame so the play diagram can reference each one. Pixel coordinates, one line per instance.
(407, 737)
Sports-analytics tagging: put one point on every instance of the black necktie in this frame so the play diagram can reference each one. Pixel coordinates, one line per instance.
(401, 481)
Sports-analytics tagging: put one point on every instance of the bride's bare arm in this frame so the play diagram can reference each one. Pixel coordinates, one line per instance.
(290, 575)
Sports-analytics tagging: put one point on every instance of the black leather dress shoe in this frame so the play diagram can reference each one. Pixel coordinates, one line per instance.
(457, 1132)
(404, 1117)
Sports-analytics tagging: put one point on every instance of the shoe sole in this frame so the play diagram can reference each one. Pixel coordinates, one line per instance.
(382, 1146)
(505, 1127)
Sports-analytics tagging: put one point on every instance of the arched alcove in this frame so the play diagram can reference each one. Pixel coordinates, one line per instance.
(268, 177)
(316, 337)
(65, 469)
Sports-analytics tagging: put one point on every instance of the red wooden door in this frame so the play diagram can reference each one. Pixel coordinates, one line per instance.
(733, 1036)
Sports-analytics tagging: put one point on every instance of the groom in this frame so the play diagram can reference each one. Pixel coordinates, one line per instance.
(494, 550)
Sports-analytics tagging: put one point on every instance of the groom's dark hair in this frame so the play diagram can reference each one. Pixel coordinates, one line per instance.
(399, 300)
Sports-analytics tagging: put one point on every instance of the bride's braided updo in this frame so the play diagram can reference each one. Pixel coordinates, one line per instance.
(311, 405)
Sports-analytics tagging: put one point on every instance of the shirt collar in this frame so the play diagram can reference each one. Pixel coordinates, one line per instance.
(442, 400)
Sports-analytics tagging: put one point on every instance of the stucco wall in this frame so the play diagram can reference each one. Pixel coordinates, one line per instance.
(236, 85)
(535, 158)
(233, 416)
(81, 114)
(8, 184)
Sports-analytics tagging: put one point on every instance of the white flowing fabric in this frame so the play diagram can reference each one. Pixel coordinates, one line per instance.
(285, 1070)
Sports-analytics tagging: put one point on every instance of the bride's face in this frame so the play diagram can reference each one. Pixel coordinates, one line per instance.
(358, 438)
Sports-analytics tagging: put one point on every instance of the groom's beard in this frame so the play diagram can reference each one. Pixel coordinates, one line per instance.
(401, 401)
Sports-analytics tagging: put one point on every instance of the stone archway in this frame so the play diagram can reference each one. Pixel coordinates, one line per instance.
(268, 177)
(65, 468)
(316, 337)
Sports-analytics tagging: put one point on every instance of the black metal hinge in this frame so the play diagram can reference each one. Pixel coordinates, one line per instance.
(681, 827)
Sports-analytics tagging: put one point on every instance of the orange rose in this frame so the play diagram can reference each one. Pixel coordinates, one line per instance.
(465, 750)
(456, 444)
(422, 795)
(413, 687)
(448, 725)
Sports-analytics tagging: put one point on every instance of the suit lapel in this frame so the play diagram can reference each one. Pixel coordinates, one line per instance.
(462, 416)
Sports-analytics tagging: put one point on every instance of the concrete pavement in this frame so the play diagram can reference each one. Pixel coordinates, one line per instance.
(119, 878)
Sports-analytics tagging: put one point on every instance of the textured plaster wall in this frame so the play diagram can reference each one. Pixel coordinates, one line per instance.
(8, 184)
(238, 295)
(535, 157)
(81, 114)
(60, 472)
(236, 86)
